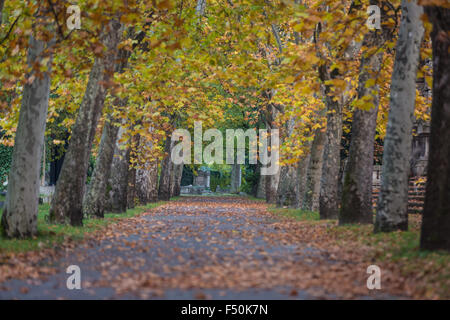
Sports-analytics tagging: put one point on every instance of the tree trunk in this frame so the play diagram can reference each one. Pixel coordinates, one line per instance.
(142, 184)
(118, 183)
(67, 204)
(312, 192)
(329, 198)
(2, 2)
(146, 183)
(436, 215)
(261, 190)
(166, 168)
(272, 181)
(153, 185)
(392, 208)
(357, 190)
(96, 196)
(236, 176)
(132, 152)
(176, 181)
(20, 215)
(131, 191)
(288, 187)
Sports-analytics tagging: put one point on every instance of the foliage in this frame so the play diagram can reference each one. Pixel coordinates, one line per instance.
(5, 163)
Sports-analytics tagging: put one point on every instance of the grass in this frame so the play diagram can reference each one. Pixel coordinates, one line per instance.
(399, 248)
(403, 249)
(54, 234)
(297, 214)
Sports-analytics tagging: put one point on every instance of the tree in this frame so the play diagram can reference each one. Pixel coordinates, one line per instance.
(175, 183)
(95, 197)
(436, 215)
(288, 186)
(118, 182)
(272, 181)
(147, 172)
(19, 218)
(357, 190)
(392, 209)
(67, 204)
(166, 169)
(329, 200)
(236, 176)
(312, 191)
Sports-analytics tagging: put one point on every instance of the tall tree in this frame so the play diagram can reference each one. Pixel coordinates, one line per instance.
(312, 191)
(436, 215)
(392, 208)
(67, 204)
(357, 190)
(288, 186)
(329, 198)
(175, 183)
(147, 175)
(272, 181)
(166, 168)
(118, 182)
(95, 197)
(19, 218)
(236, 176)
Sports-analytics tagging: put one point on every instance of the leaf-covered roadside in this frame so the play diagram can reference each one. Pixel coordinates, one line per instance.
(19, 257)
(421, 274)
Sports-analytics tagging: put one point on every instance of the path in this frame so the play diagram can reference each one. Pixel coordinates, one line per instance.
(194, 248)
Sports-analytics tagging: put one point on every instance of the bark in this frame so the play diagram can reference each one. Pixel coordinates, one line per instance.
(302, 174)
(131, 191)
(153, 185)
(312, 192)
(261, 190)
(21, 208)
(288, 185)
(96, 195)
(287, 193)
(273, 180)
(147, 181)
(67, 204)
(436, 215)
(2, 2)
(271, 187)
(166, 168)
(357, 190)
(392, 207)
(118, 183)
(329, 198)
(236, 176)
(176, 181)
(142, 183)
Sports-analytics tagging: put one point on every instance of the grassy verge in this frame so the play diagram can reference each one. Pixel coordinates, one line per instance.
(296, 214)
(53, 234)
(399, 250)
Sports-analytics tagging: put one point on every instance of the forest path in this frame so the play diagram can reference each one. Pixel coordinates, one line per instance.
(198, 248)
